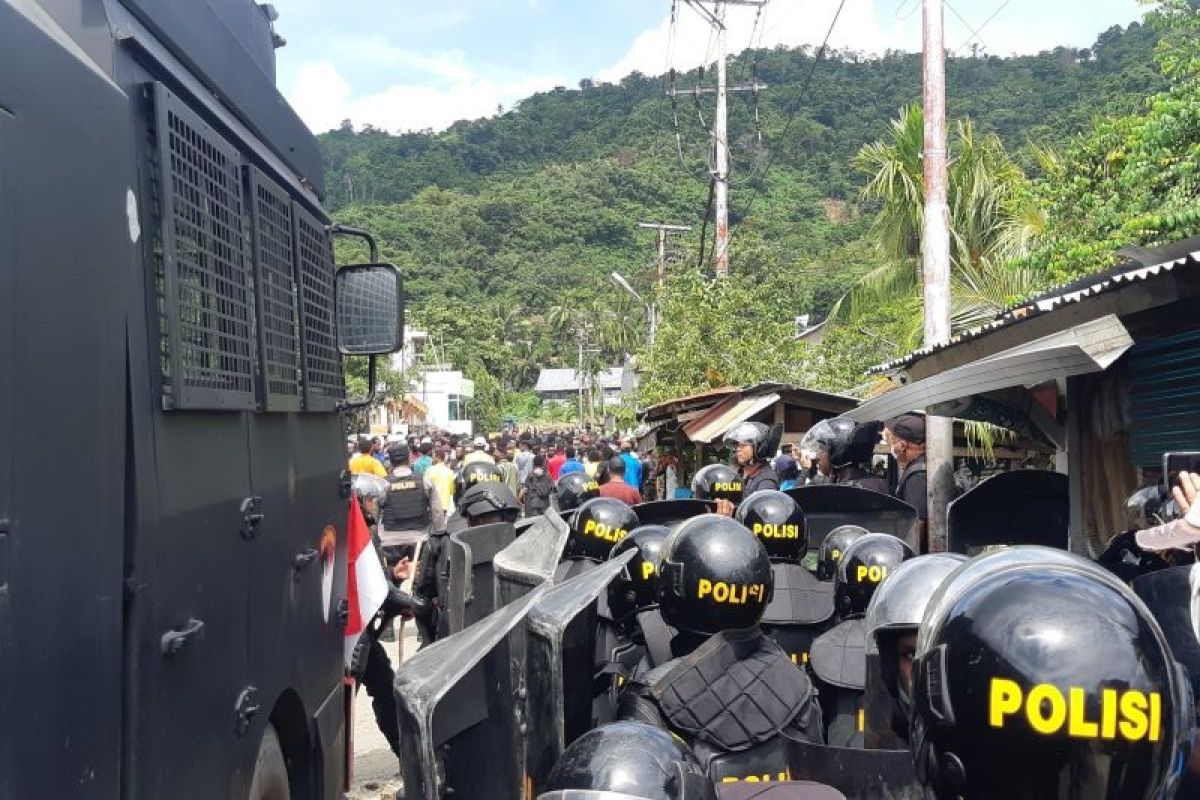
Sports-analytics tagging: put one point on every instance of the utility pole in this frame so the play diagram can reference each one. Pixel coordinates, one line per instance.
(663, 230)
(720, 134)
(935, 261)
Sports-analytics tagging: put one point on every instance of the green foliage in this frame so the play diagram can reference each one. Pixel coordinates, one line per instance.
(506, 229)
(1131, 179)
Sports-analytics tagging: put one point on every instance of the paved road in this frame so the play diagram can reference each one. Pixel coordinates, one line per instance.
(376, 772)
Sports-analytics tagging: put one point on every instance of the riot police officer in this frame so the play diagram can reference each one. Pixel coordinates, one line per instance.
(832, 547)
(573, 490)
(753, 445)
(643, 638)
(472, 473)
(598, 524)
(892, 620)
(1045, 678)
(800, 603)
(731, 693)
(484, 503)
(627, 760)
(843, 449)
(838, 656)
(717, 482)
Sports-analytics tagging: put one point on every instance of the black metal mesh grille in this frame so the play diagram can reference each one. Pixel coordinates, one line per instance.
(278, 329)
(323, 382)
(207, 289)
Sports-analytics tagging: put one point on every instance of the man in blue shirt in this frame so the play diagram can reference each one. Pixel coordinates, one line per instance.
(572, 464)
(633, 465)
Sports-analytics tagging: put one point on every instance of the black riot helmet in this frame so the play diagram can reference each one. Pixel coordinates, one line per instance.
(714, 575)
(716, 482)
(473, 473)
(488, 497)
(847, 442)
(574, 489)
(598, 525)
(764, 438)
(865, 564)
(636, 588)
(627, 761)
(1046, 679)
(896, 609)
(776, 519)
(833, 546)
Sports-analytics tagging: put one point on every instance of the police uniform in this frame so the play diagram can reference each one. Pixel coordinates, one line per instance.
(913, 486)
(731, 694)
(765, 478)
(406, 517)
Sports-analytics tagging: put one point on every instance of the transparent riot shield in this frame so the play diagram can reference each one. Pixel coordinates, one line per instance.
(671, 512)
(531, 559)
(827, 506)
(857, 774)
(881, 712)
(781, 790)
(1028, 506)
(460, 709)
(470, 588)
(561, 664)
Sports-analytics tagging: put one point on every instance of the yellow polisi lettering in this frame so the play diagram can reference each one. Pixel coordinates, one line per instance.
(786, 775)
(1133, 708)
(874, 573)
(606, 532)
(1128, 714)
(727, 486)
(591, 486)
(835, 555)
(1045, 708)
(768, 530)
(647, 570)
(731, 593)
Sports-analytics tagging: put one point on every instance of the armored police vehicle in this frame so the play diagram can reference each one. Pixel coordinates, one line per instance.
(172, 508)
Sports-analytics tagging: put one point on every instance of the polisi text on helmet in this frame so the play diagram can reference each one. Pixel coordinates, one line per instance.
(768, 530)
(608, 533)
(1124, 713)
(732, 593)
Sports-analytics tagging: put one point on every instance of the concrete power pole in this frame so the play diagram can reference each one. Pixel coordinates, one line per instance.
(935, 262)
(663, 230)
(720, 133)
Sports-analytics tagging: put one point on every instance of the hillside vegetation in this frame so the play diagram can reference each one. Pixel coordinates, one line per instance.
(507, 228)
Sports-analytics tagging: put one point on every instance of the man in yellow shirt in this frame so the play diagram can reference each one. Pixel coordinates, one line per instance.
(363, 461)
(480, 453)
(439, 483)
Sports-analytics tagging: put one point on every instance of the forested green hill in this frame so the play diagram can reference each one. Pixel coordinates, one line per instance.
(508, 227)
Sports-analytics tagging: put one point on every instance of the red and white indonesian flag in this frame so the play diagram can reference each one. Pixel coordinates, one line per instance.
(366, 585)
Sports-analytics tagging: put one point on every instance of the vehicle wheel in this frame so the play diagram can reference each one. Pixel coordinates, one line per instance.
(270, 770)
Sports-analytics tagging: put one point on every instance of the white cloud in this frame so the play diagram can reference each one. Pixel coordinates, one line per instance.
(792, 23)
(323, 98)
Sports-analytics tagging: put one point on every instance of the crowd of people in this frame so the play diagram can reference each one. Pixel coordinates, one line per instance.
(722, 654)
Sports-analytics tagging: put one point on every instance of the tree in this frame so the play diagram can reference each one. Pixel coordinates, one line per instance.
(992, 221)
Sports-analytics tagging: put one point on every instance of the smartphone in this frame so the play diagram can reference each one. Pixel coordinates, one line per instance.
(1175, 463)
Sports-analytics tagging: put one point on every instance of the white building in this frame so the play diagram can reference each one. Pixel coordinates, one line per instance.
(445, 394)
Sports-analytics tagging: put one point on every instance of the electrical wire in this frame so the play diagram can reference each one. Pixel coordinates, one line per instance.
(796, 108)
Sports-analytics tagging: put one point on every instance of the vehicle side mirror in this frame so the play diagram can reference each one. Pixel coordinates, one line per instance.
(369, 301)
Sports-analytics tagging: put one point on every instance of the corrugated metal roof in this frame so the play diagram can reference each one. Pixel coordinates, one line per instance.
(566, 380)
(1066, 294)
(723, 416)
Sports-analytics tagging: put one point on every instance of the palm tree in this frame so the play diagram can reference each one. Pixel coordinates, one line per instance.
(993, 222)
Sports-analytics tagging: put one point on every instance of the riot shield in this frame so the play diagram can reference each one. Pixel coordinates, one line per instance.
(671, 512)
(522, 526)
(1168, 595)
(561, 664)
(470, 589)
(1028, 506)
(460, 717)
(780, 790)
(530, 559)
(827, 506)
(798, 597)
(858, 774)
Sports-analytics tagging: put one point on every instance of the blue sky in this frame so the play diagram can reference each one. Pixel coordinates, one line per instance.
(417, 64)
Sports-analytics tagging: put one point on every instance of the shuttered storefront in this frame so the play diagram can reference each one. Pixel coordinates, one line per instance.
(1164, 397)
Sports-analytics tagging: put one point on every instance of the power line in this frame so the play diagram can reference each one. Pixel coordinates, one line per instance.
(975, 32)
(796, 108)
